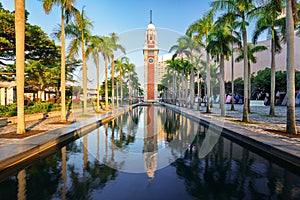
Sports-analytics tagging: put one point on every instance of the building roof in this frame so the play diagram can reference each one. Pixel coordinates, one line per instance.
(151, 26)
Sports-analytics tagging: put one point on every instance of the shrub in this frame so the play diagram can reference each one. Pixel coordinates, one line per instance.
(33, 107)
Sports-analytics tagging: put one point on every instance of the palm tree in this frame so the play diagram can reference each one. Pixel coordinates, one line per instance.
(20, 43)
(201, 29)
(120, 68)
(115, 46)
(240, 11)
(251, 50)
(268, 21)
(185, 45)
(130, 67)
(220, 45)
(290, 65)
(189, 47)
(173, 65)
(107, 54)
(95, 47)
(232, 26)
(67, 9)
(80, 34)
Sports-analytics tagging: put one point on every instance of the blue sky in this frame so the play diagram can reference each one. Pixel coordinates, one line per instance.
(127, 18)
(122, 15)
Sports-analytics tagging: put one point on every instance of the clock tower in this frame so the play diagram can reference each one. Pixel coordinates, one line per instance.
(150, 63)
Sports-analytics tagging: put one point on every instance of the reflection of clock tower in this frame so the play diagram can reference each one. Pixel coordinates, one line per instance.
(150, 63)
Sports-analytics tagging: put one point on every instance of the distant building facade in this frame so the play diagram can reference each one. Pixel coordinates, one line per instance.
(263, 61)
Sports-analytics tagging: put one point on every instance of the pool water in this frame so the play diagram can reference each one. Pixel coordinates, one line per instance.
(152, 153)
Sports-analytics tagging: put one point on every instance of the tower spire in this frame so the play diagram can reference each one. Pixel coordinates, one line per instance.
(150, 16)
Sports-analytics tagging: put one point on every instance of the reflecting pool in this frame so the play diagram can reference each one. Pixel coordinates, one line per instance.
(151, 153)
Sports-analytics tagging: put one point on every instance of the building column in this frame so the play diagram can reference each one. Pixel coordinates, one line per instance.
(10, 95)
(2, 96)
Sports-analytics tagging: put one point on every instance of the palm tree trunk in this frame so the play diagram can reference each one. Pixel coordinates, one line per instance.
(198, 104)
(232, 79)
(246, 77)
(121, 84)
(130, 88)
(174, 87)
(222, 87)
(84, 78)
(98, 86)
(20, 60)
(290, 69)
(273, 75)
(192, 87)
(186, 92)
(117, 88)
(249, 83)
(112, 82)
(106, 85)
(207, 82)
(21, 177)
(63, 71)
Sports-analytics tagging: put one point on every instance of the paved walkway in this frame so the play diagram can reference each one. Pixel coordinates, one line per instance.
(259, 114)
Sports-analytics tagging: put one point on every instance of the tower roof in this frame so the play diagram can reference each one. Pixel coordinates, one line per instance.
(151, 26)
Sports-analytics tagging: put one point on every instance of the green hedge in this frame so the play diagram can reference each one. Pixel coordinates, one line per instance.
(33, 107)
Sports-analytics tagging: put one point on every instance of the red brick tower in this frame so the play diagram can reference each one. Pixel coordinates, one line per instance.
(150, 64)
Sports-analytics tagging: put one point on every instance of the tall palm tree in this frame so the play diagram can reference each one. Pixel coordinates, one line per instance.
(232, 26)
(95, 47)
(182, 48)
(251, 50)
(107, 54)
(173, 65)
(67, 9)
(291, 18)
(200, 29)
(120, 68)
(115, 46)
(189, 47)
(268, 21)
(130, 67)
(80, 33)
(220, 45)
(20, 62)
(240, 11)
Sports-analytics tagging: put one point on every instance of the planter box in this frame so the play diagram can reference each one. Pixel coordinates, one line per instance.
(3, 122)
(36, 116)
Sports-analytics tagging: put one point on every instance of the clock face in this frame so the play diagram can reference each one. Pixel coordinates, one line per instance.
(150, 60)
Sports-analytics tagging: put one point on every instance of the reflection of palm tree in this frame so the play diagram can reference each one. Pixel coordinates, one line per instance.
(85, 157)
(21, 185)
(208, 178)
(64, 171)
(98, 176)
